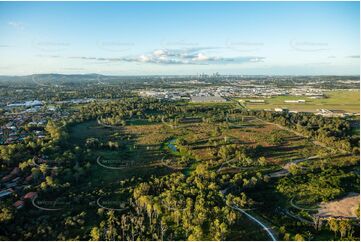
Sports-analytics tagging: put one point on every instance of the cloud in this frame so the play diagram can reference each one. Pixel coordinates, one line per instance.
(190, 56)
(16, 25)
(201, 57)
(187, 56)
(354, 56)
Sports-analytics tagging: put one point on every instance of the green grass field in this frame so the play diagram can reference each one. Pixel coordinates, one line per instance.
(346, 101)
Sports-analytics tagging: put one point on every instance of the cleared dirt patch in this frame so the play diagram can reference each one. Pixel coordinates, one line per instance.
(345, 207)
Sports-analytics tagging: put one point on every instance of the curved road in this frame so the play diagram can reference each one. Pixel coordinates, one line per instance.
(300, 208)
(268, 229)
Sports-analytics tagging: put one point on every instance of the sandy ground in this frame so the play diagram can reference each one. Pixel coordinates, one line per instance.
(344, 207)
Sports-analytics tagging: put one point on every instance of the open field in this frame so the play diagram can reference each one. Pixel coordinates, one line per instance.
(135, 150)
(345, 101)
(204, 141)
(345, 207)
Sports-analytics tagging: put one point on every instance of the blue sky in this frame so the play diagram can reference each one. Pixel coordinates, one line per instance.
(140, 38)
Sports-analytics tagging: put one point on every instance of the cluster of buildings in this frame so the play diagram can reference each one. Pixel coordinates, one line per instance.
(309, 92)
(295, 101)
(21, 126)
(207, 99)
(322, 112)
(254, 91)
(33, 103)
(332, 113)
(17, 184)
(36, 104)
(14, 184)
(27, 120)
(76, 101)
(207, 94)
(13, 131)
(174, 94)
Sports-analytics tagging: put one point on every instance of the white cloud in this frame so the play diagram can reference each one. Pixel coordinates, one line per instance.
(201, 57)
(191, 56)
(16, 25)
(159, 53)
(144, 58)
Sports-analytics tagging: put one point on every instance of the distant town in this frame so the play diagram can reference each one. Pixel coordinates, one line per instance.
(251, 92)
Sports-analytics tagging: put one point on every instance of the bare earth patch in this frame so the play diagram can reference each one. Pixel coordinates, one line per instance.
(344, 207)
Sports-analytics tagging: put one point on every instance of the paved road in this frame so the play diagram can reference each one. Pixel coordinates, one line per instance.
(268, 229)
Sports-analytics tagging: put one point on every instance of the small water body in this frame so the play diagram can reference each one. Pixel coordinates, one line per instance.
(172, 146)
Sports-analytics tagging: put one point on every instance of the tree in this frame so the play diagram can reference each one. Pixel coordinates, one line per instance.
(53, 130)
(220, 230)
(25, 164)
(240, 201)
(333, 224)
(287, 237)
(111, 232)
(5, 215)
(95, 234)
(43, 168)
(345, 227)
(262, 161)
(224, 152)
(294, 169)
(201, 170)
(299, 237)
(43, 185)
(197, 233)
(49, 181)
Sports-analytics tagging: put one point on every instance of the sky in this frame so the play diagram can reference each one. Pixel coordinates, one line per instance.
(180, 38)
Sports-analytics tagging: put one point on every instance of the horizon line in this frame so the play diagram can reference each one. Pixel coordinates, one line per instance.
(120, 75)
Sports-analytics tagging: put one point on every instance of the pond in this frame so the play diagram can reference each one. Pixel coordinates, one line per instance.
(171, 145)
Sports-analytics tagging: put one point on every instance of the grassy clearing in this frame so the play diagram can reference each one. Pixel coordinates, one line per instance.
(138, 122)
(144, 142)
(80, 132)
(346, 101)
(137, 144)
(345, 207)
(249, 132)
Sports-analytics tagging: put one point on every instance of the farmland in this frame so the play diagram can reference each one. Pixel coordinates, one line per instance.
(346, 101)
